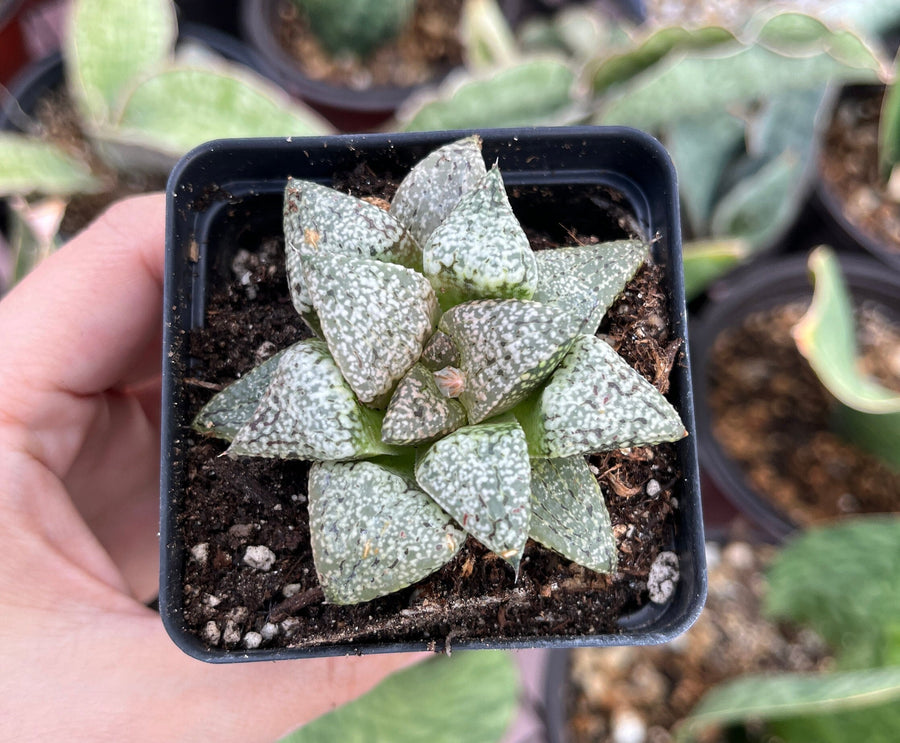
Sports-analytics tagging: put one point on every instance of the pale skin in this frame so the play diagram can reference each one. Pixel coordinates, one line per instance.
(82, 657)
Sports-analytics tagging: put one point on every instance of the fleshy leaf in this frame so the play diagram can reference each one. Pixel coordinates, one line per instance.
(507, 348)
(418, 412)
(435, 185)
(568, 513)
(707, 260)
(440, 352)
(480, 251)
(110, 45)
(376, 318)
(373, 531)
(595, 402)
(586, 279)
(180, 108)
(309, 412)
(31, 166)
(320, 219)
(481, 476)
(232, 408)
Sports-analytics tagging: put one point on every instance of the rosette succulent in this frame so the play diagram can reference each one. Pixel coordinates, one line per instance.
(455, 383)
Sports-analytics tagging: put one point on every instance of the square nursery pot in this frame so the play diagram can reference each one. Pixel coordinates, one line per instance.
(225, 253)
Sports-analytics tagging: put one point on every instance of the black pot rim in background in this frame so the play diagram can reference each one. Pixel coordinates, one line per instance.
(631, 162)
(759, 286)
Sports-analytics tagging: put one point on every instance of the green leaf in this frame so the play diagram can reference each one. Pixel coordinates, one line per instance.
(486, 37)
(469, 697)
(595, 402)
(231, 409)
(110, 45)
(616, 68)
(787, 695)
(873, 724)
(440, 352)
(873, 17)
(850, 593)
(418, 412)
(889, 130)
(760, 204)
(707, 260)
(376, 318)
(31, 166)
(702, 148)
(357, 27)
(568, 513)
(318, 219)
(480, 250)
(507, 348)
(435, 185)
(695, 85)
(177, 109)
(826, 336)
(481, 476)
(586, 279)
(373, 531)
(309, 412)
(532, 93)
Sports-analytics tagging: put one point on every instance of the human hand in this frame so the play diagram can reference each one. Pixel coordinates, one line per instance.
(81, 656)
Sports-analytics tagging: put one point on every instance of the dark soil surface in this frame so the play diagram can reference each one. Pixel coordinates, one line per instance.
(231, 505)
(849, 166)
(428, 46)
(771, 415)
(641, 693)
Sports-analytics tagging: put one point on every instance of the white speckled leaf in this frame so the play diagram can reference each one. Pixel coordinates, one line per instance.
(435, 185)
(568, 513)
(481, 476)
(440, 352)
(232, 408)
(320, 219)
(309, 412)
(418, 412)
(373, 531)
(507, 348)
(595, 402)
(587, 278)
(376, 318)
(480, 250)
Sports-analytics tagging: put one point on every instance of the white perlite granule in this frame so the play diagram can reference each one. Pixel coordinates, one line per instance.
(663, 577)
(259, 557)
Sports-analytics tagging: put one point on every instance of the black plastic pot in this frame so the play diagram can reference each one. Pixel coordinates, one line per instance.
(843, 232)
(231, 191)
(764, 285)
(348, 109)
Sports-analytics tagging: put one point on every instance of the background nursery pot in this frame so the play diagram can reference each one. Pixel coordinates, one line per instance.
(762, 287)
(224, 232)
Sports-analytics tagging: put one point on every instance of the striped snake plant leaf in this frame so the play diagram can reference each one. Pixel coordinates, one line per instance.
(595, 402)
(418, 412)
(435, 185)
(481, 476)
(569, 515)
(309, 412)
(376, 318)
(507, 348)
(480, 250)
(586, 279)
(374, 531)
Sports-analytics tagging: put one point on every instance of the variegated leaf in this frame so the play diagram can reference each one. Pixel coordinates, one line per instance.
(232, 408)
(586, 279)
(440, 352)
(376, 318)
(568, 513)
(595, 402)
(373, 531)
(481, 476)
(418, 412)
(480, 251)
(435, 185)
(309, 412)
(507, 348)
(320, 219)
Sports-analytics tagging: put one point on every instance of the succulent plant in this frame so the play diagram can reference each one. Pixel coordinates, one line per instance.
(357, 26)
(456, 383)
